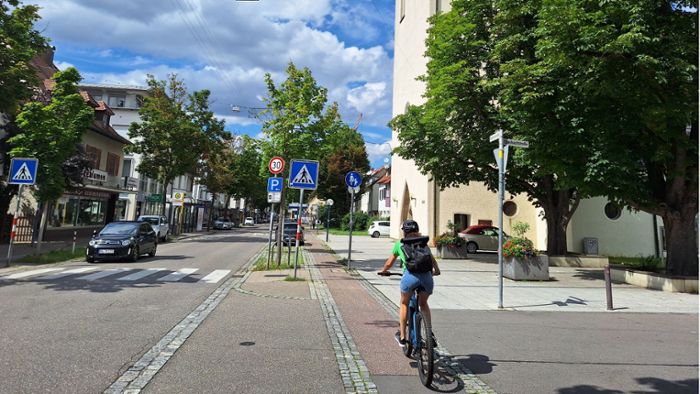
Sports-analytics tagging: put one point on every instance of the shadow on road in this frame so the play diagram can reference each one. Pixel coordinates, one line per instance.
(656, 385)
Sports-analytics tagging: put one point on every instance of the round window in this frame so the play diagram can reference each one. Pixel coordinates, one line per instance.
(510, 208)
(613, 211)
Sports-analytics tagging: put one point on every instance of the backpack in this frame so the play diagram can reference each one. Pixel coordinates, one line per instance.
(418, 256)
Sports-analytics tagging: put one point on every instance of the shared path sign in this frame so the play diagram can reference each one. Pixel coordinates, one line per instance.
(303, 174)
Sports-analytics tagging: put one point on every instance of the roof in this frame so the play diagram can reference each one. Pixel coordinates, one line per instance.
(113, 86)
(108, 132)
(386, 179)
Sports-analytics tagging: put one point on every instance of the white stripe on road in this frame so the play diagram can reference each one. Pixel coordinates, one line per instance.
(102, 274)
(25, 274)
(215, 276)
(176, 276)
(142, 274)
(67, 273)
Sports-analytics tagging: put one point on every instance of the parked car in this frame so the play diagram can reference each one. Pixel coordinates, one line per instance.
(159, 223)
(481, 237)
(119, 240)
(223, 224)
(248, 221)
(290, 234)
(378, 228)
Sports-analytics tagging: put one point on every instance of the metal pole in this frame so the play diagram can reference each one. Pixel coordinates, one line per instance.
(328, 220)
(269, 240)
(608, 287)
(75, 233)
(501, 192)
(352, 224)
(299, 213)
(14, 225)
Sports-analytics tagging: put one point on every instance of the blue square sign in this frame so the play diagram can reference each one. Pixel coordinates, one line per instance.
(23, 171)
(303, 174)
(274, 185)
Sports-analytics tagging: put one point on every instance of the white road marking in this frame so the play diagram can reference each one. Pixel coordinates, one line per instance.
(102, 274)
(179, 274)
(67, 273)
(215, 276)
(25, 274)
(142, 274)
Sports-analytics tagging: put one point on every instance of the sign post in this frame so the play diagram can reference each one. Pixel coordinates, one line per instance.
(353, 180)
(22, 172)
(274, 193)
(303, 175)
(329, 204)
(501, 160)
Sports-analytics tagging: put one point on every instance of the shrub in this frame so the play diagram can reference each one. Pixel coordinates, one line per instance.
(449, 238)
(519, 246)
(361, 221)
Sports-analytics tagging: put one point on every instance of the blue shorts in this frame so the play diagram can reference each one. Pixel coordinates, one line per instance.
(411, 280)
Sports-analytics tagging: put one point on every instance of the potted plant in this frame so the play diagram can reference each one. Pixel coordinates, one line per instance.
(450, 245)
(520, 259)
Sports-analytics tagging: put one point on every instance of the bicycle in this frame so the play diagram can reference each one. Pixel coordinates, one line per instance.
(419, 339)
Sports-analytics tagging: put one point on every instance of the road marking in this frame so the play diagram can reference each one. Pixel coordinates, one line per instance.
(102, 274)
(215, 276)
(67, 273)
(142, 274)
(25, 274)
(176, 276)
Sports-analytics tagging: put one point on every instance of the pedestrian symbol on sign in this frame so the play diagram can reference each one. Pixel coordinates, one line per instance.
(22, 174)
(303, 177)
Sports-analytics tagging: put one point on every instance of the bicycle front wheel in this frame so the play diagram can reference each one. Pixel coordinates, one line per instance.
(425, 351)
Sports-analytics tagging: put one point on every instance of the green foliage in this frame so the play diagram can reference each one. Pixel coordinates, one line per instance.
(54, 256)
(519, 248)
(520, 228)
(361, 220)
(245, 168)
(50, 132)
(449, 238)
(643, 263)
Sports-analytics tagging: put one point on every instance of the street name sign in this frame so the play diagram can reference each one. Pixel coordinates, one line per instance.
(274, 185)
(23, 171)
(276, 165)
(517, 143)
(303, 174)
(495, 136)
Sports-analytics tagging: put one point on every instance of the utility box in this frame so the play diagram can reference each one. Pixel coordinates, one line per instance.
(590, 246)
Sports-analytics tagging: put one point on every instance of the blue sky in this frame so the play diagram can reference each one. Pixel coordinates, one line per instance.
(227, 46)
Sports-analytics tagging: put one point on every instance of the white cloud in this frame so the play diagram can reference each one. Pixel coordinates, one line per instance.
(377, 152)
(368, 97)
(63, 65)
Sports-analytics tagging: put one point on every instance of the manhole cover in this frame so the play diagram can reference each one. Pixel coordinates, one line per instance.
(247, 343)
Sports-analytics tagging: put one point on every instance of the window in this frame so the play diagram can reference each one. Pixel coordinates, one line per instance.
(118, 101)
(485, 222)
(510, 208)
(112, 164)
(94, 155)
(461, 221)
(612, 211)
(126, 167)
(139, 101)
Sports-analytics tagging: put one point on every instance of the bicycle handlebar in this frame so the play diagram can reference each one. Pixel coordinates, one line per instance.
(389, 273)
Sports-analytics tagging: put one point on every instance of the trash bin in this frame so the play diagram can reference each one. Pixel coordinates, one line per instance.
(590, 246)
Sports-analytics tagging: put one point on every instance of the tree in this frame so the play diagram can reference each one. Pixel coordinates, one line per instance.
(245, 165)
(170, 135)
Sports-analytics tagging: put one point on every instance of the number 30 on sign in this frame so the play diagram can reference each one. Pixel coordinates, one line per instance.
(276, 165)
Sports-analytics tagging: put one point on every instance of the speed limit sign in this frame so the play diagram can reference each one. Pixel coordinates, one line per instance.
(276, 165)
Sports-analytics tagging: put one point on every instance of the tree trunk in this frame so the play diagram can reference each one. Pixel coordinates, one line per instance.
(681, 242)
(559, 206)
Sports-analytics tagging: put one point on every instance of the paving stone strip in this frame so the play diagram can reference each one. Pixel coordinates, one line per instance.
(238, 286)
(472, 383)
(137, 376)
(353, 370)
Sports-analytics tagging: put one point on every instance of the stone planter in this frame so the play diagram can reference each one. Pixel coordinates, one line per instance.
(531, 268)
(452, 252)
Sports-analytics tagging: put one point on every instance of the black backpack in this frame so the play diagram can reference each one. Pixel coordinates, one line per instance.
(418, 256)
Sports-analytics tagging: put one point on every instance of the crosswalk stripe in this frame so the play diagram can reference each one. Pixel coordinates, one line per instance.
(215, 276)
(179, 274)
(102, 274)
(25, 274)
(67, 273)
(141, 274)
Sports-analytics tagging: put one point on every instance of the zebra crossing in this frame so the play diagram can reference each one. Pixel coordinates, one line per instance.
(126, 275)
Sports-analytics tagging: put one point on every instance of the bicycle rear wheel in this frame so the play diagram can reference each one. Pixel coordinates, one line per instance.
(425, 351)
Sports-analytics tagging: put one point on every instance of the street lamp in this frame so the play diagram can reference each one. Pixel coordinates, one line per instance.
(329, 203)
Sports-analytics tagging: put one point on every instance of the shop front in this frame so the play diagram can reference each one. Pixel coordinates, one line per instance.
(82, 211)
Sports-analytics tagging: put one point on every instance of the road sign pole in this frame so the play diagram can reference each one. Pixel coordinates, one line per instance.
(501, 192)
(328, 220)
(296, 256)
(352, 225)
(269, 240)
(14, 225)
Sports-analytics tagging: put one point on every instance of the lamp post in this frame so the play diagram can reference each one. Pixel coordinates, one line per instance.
(329, 204)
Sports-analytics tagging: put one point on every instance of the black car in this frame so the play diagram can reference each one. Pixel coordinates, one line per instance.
(290, 233)
(118, 240)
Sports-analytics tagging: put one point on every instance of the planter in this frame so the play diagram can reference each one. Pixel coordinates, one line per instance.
(650, 280)
(452, 252)
(530, 268)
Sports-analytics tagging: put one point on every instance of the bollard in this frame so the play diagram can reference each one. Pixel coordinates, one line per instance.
(608, 287)
(75, 233)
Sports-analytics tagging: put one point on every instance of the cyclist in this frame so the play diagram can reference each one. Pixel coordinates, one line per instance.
(410, 280)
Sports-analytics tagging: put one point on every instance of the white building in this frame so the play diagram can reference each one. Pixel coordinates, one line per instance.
(414, 195)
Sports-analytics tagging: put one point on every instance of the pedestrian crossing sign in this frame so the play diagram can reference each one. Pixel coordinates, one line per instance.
(23, 171)
(303, 174)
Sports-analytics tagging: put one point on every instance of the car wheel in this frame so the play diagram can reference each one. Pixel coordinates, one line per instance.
(89, 259)
(135, 253)
(375, 234)
(472, 247)
(153, 251)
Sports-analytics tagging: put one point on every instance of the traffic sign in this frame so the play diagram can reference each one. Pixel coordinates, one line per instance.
(303, 174)
(274, 197)
(274, 185)
(276, 165)
(517, 143)
(505, 157)
(353, 179)
(23, 171)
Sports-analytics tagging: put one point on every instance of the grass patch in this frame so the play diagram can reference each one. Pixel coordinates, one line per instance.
(261, 263)
(337, 231)
(648, 263)
(54, 256)
(293, 279)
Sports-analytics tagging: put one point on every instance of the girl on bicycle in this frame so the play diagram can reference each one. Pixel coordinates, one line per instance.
(410, 281)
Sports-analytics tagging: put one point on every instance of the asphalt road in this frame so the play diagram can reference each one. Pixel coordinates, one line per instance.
(77, 332)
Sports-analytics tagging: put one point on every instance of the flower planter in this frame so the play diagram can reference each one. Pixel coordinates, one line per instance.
(452, 252)
(526, 268)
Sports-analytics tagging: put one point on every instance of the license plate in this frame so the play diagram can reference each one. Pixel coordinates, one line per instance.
(105, 251)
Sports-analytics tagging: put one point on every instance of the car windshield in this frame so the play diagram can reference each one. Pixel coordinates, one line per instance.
(223, 220)
(149, 220)
(120, 229)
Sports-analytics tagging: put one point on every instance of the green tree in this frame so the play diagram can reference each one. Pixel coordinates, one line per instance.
(245, 166)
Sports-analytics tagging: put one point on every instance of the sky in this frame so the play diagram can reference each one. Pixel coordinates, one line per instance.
(227, 46)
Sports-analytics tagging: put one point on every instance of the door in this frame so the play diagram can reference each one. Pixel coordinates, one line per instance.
(491, 236)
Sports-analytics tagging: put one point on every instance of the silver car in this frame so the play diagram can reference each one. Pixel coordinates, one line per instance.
(159, 223)
(481, 237)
